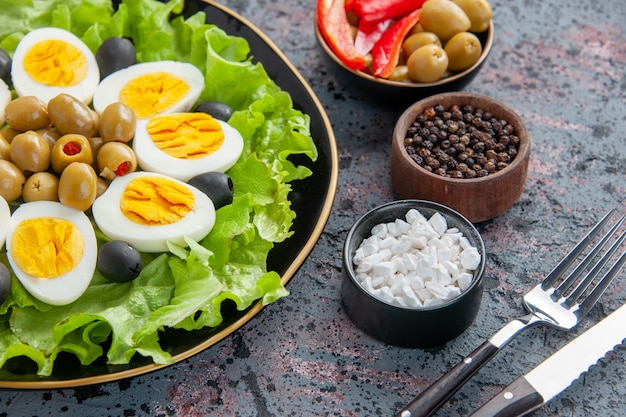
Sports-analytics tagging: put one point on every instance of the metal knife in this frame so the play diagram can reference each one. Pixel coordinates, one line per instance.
(556, 373)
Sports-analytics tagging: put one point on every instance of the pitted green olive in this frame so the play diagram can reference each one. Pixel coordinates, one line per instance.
(116, 159)
(30, 152)
(50, 134)
(428, 63)
(416, 40)
(96, 143)
(400, 73)
(41, 186)
(27, 113)
(12, 180)
(117, 123)
(9, 133)
(479, 13)
(70, 148)
(70, 115)
(463, 51)
(101, 186)
(444, 18)
(78, 186)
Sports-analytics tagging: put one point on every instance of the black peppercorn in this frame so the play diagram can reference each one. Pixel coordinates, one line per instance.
(461, 141)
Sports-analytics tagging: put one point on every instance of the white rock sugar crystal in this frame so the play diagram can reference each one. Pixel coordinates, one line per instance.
(416, 262)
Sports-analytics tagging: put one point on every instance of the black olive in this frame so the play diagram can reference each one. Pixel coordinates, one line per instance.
(217, 185)
(5, 282)
(5, 67)
(217, 109)
(118, 261)
(115, 54)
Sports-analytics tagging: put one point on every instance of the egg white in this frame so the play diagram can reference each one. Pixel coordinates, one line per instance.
(5, 215)
(151, 158)
(5, 98)
(68, 287)
(24, 85)
(150, 238)
(109, 89)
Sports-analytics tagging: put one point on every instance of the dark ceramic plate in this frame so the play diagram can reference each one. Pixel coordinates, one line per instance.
(311, 199)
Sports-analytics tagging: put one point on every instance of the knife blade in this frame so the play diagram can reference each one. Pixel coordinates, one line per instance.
(556, 373)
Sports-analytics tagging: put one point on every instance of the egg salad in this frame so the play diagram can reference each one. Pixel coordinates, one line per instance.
(193, 256)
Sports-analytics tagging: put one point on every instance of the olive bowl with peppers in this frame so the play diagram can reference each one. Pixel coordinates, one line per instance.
(466, 151)
(374, 40)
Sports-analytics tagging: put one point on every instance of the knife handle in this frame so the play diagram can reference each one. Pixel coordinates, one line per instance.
(432, 398)
(515, 400)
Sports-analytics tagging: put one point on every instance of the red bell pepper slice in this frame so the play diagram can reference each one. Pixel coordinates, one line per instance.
(333, 24)
(377, 10)
(369, 33)
(386, 52)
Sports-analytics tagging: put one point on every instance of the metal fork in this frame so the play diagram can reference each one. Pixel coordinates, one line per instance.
(546, 304)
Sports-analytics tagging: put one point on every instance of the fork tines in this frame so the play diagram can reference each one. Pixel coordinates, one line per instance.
(593, 263)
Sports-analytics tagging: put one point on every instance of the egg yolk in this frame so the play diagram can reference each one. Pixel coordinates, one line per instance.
(47, 247)
(153, 93)
(156, 201)
(186, 135)
(55, 63)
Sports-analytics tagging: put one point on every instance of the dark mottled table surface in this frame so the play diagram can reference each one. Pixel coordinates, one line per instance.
(561, 66)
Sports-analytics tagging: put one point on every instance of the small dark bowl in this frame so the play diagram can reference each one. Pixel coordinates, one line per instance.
(379, 87)
(410, 326)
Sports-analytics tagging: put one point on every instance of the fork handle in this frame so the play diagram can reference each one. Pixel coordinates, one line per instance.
(432, 398)
(429, 401)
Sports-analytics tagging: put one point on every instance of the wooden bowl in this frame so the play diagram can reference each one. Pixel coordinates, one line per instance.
(478, 199)
(380, 88)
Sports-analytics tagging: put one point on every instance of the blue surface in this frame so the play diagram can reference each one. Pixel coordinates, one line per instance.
(561, 66)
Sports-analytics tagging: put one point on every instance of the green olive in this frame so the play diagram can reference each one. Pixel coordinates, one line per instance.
(116, 159)
(416, 40)
(463, 51)
(70, 148)
(9, 133)
(27, 113)
(70, 115)
(5, 148)
(78, 186)
(444, 18)
(427, 64)
(101, 186)
(50, 134)
(117, 123)
(96, 143)
(400, 73)
(41, 186)
(30, 152)
(12, 180)
(479, 13)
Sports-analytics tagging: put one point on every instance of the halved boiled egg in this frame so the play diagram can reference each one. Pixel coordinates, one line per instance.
(183, 145)
(147, 210)
(5, 98)
(50, 61)
(52, 250)
(5, 214)
(151, 88)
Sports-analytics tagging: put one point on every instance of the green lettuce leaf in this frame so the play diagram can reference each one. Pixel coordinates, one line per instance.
(186, 287)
